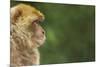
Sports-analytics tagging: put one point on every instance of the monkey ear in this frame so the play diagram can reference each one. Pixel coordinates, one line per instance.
(15, 13)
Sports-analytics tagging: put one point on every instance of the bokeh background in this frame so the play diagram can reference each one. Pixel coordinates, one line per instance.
(70, 32)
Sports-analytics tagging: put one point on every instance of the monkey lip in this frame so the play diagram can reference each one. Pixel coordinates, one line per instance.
(40, 40)
(40, 37)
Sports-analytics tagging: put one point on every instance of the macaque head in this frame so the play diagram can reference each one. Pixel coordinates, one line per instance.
(26, 19)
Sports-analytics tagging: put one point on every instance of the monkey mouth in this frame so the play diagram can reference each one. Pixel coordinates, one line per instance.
(40, 40)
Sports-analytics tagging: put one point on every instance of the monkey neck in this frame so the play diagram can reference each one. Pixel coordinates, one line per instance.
(22, 37)
(23, 49)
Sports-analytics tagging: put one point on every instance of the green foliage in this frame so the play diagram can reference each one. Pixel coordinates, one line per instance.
(70, 32)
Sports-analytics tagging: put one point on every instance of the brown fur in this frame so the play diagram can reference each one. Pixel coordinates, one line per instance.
(26, 35)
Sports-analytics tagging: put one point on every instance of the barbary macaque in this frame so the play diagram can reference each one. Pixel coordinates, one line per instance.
(26, 35)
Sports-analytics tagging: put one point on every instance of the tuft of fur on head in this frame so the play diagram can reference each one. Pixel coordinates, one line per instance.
(26, 35)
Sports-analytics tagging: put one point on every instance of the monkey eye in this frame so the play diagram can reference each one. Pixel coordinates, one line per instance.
(36, 21)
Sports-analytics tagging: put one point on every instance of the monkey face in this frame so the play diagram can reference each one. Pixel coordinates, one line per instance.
(39, 34)
(27, 18)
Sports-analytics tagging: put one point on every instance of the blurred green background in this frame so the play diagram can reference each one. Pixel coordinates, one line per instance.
(70, 32)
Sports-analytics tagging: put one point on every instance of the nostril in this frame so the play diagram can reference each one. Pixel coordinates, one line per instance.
(43, 32)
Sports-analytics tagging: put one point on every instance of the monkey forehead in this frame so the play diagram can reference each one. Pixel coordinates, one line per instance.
(27, 10)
